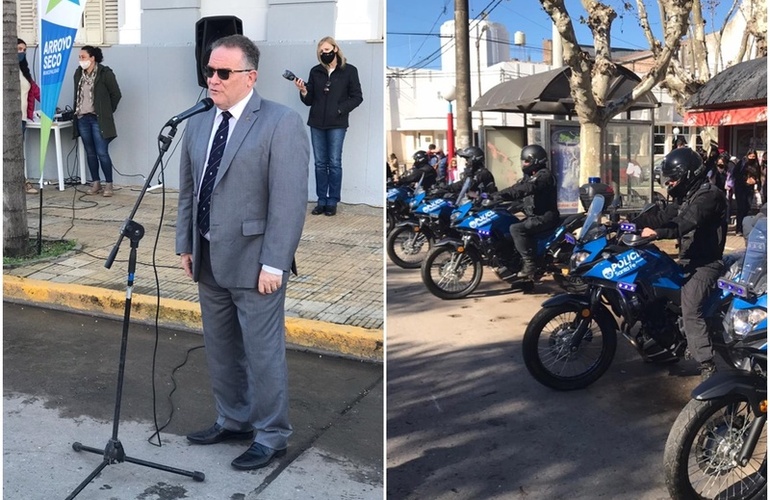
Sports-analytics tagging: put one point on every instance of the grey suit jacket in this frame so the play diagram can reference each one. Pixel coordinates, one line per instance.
(260, 194)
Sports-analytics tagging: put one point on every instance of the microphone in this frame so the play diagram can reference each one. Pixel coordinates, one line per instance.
(289, 75)
(201, 106)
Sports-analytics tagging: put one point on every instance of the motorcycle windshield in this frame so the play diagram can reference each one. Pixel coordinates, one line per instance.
(754, 270)
(463, 191)
(593, 227)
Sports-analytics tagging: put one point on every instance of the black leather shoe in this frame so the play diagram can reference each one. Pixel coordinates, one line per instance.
(256, 457)
(318, 210)
(330, 211)
(217, 434)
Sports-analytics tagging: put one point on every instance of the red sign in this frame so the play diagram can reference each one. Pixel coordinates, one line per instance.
(723, 117)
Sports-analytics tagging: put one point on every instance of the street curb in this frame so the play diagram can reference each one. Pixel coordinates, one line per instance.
(344, 340)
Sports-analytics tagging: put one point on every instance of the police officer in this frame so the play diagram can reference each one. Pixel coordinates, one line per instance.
(482, 180)
(421, 169)
(538, 190)
(698, 221)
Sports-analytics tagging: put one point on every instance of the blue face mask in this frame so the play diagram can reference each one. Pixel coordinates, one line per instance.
(22, 56)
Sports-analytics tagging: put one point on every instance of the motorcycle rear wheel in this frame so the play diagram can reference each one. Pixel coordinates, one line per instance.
(407, 248)
(546, 351)
(697, 460)
(449, 274)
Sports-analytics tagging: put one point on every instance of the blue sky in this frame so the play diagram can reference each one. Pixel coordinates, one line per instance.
(413, 26)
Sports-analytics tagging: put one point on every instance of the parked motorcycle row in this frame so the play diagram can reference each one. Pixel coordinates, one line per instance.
(451, 238)
(615, 282)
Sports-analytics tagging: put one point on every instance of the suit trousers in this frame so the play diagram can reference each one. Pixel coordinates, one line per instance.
(244, 334)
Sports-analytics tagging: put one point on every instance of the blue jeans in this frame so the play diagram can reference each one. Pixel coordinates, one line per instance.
(96, 147)
(327, 150)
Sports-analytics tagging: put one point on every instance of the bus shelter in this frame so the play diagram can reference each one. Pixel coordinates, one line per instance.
(627, 142)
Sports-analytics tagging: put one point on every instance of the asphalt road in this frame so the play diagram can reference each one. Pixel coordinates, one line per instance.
(59, 379)
(465, 420)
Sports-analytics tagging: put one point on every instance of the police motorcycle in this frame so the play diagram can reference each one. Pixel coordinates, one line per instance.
(572, 340)
(398, 200)
(412, 238)
(717, 447)
(454, 266)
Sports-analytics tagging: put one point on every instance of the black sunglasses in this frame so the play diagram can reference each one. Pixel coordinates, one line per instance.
(223, 74)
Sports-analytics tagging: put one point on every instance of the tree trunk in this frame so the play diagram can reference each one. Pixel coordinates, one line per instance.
(590, 151)
(15, 231)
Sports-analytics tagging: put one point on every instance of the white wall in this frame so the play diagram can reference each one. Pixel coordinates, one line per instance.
(158, 79)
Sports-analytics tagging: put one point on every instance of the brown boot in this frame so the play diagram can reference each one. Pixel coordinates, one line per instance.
(96, 186)
(107, 190)
(29, 188)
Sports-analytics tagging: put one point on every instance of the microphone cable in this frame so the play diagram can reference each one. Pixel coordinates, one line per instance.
(158, 429)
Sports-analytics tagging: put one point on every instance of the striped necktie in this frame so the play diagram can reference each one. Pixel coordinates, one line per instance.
(207, 187)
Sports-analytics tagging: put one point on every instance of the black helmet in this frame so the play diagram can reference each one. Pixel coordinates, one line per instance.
(474, 157)
(420, 157)
(685, 166)
(533, 158)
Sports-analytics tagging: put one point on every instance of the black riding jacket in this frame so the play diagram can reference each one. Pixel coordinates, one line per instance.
(482, 181)
(426, 171)
(699, 223)
(538, 191)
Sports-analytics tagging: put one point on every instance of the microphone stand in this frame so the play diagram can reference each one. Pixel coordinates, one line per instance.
(113, 452)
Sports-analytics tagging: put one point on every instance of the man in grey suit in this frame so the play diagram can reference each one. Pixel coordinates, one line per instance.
(242, 203)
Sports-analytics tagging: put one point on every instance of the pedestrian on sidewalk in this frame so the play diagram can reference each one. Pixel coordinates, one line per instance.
(97, 95)
(332, 91)
(240, 219)
(30, 92)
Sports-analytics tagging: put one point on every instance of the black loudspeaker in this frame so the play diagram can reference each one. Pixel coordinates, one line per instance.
(207, 31)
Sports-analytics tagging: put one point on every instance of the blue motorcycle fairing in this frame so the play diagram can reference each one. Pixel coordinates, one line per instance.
(747, 384)
(488, 220)
(617, 266)
(433, 207)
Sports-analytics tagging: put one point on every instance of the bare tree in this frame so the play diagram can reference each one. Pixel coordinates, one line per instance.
(688, 74)
(15, 231)
(590, 77)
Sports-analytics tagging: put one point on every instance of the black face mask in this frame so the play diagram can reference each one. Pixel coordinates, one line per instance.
(327, 57)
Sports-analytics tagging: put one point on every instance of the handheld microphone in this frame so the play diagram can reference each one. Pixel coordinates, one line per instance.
(289, 75)
(202, 105)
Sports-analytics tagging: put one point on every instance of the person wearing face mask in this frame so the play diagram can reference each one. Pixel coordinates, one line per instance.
(745, 182)
(97, 95)
(332, 91)
(30, 93)
(718, 174)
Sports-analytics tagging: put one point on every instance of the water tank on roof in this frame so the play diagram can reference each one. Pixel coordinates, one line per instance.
(519, 38)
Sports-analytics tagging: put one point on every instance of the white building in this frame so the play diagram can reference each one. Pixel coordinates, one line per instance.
(150, 45)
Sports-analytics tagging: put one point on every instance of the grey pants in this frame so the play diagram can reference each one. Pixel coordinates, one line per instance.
(694, 292)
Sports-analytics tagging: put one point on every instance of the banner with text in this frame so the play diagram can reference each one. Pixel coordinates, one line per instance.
(59, 22)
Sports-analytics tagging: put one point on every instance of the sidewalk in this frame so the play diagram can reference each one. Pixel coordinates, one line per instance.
(335, 304)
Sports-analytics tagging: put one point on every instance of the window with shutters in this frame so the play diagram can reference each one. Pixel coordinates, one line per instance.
(99, 23)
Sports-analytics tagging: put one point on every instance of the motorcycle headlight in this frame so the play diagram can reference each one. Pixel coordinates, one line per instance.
(745, 320)
(577, 259)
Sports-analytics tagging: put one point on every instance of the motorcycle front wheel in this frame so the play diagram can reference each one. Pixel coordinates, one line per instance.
(547, 351)
(407, 248)
(700, 459)
(449, 274)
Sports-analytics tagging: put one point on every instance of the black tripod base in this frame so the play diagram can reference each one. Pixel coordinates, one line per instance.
(113, 453)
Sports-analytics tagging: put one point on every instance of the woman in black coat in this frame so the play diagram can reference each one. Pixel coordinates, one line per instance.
(332, 91)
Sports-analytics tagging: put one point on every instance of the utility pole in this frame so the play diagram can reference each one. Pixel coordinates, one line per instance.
(463, 75)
